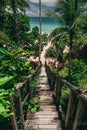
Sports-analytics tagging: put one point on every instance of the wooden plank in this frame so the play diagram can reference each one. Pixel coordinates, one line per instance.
(47, 117)
(43, 127)
(44, 121)
(47, 107)
(36, 118)
(46, 113)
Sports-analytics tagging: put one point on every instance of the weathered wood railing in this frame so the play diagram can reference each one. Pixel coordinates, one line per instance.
(76, 115)
(23, 94)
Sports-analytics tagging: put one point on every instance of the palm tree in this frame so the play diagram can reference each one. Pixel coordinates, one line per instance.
(15, 5)
(68, 12)
(21, 4)
(40, 46)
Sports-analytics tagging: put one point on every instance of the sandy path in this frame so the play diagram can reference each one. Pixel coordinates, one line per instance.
(44, 51)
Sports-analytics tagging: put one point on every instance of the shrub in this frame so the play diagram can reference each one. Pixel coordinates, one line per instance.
(79, 73)
(50, 52)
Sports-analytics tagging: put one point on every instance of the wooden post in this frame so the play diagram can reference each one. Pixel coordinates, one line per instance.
(49, 77)
(71, 111)
(81, 115)
(13, 117)
(58, 92)
(27, 85)
(19, 107)
(30, 89)
(53, 81)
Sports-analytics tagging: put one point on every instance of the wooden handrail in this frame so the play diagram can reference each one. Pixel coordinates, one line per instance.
(83, 97)
(70, 86)
(19, 102)
(75, 112)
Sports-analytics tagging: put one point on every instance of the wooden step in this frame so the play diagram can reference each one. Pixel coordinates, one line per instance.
(47, 117)
(45, 127)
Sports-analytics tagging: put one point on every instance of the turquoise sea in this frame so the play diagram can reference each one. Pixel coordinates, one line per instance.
(48, 23)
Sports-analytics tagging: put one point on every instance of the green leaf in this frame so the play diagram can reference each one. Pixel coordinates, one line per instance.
(37, 106)
(36, 100)
(4, 51)
(1, 108)
(12, 67)
(29, 52)
(33, 110)
(29, 107)
(5, 79)
(3, 92)
(14, 44)
(32, 101)
(17, 51)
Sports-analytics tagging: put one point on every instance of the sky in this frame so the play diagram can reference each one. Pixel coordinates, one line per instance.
(45, 2)
(34, 7)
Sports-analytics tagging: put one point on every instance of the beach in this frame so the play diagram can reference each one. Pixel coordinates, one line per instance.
(48, 24)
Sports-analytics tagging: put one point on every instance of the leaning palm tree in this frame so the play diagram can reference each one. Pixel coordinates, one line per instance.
(68, 11)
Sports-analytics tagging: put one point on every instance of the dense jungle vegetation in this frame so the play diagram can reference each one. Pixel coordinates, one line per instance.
(17, 43)
(69, 45)
(69, 42)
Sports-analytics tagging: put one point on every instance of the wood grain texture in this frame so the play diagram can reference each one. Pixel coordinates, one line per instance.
(47, 117)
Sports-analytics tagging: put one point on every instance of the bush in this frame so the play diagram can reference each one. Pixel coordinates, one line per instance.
(79, 73)
(50, 52)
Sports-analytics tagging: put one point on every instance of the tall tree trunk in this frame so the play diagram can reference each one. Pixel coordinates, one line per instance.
(15, 21)
(70, 52)
(40, 30)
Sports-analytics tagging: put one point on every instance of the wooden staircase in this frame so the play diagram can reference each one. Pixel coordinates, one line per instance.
(47, 117)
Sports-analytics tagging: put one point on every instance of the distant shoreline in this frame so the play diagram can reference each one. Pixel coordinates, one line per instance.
(48, 23)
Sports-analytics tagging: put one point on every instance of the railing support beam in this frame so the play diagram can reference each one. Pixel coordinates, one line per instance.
(81, 116)
(58, 92)
(70, 111)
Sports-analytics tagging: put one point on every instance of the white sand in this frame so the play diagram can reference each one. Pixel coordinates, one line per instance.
(44, 51)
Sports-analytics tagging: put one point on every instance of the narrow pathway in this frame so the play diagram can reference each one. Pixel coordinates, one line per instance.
(44, 51)
(47, 117)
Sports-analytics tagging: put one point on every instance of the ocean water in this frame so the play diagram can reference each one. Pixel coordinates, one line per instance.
(48, 24)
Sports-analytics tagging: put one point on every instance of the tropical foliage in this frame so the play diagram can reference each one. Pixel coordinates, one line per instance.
(70, 43)
(71, 34)
(69, 12)
(34, 105)
(16, 47)
(18, 41)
